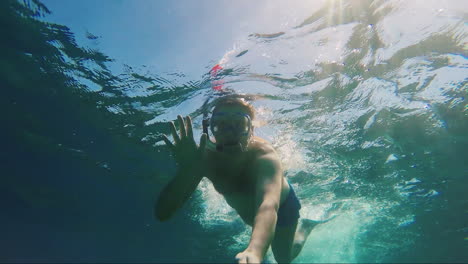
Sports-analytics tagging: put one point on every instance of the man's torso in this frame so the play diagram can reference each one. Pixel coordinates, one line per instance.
(233, 177)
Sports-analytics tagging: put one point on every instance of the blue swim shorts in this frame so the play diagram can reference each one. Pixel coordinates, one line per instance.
(288, 212)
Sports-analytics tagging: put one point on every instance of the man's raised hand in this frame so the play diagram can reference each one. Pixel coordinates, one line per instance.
(185, 150)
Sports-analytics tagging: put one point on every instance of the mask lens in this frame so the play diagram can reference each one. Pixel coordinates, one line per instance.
(237, 123)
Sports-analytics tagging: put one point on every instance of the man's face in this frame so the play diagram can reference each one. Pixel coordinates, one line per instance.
(230, 125)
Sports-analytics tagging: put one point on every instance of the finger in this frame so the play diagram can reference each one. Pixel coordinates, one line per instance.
(203, 140)
(242, 260)
(174, 132)
(183, 132)
(189, 127)
(167, 141)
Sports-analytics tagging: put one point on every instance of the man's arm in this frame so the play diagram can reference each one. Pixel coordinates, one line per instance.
(190, 159)
(177, 191)
(268, 192)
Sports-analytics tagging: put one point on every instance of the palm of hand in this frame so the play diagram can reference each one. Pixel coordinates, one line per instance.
(185, 150)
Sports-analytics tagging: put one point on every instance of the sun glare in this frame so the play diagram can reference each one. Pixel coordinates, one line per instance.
(335, 12)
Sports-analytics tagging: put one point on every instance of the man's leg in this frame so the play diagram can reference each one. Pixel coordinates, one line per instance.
(288, 242)
(282, 243)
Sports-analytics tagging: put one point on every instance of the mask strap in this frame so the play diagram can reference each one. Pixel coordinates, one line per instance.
(206, 124)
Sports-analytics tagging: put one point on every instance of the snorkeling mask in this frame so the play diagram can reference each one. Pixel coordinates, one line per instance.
(236, 126)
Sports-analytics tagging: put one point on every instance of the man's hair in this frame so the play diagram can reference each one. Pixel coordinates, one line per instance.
(232, 100)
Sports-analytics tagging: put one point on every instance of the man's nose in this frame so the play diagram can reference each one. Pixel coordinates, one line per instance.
(230, 132)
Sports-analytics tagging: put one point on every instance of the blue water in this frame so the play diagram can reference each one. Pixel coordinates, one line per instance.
(365, 102)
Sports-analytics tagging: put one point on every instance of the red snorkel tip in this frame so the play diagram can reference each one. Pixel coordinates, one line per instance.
(216, 85)
(214, 71)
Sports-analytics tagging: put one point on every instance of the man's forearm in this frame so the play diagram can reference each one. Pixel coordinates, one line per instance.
(177, 191)
(263, 229)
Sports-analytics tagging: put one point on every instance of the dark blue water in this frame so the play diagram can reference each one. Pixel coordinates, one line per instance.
(365, 101)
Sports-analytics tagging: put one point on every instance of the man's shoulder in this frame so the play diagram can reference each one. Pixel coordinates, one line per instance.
(261, 147)
(265, 160)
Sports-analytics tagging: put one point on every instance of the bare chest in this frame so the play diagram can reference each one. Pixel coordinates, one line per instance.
(231, 177)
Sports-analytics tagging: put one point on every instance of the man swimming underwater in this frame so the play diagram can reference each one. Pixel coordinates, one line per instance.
(246, 170)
